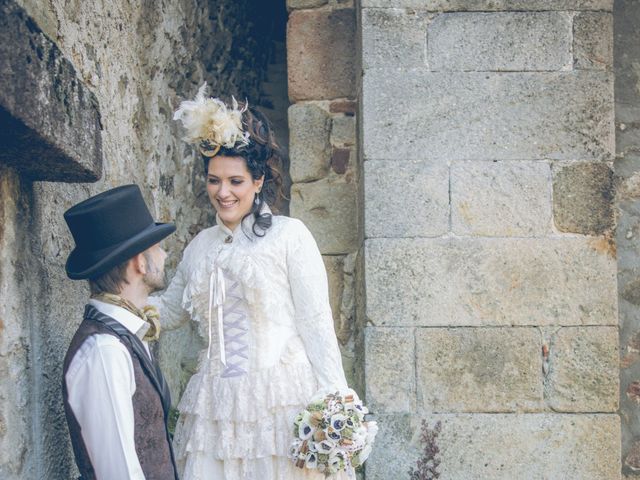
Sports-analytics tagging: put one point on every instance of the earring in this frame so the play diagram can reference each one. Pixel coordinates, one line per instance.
(257, 199)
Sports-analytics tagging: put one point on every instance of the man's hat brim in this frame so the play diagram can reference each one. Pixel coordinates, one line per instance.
(82, 265)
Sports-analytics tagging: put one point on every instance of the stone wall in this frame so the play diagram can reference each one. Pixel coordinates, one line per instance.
(325, 170)
(490, 259)
(627, 64)
(138, 60)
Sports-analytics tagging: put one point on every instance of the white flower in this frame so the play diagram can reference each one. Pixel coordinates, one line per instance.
(364, 453)
(338, 422)
(305, 431)
(312, 460)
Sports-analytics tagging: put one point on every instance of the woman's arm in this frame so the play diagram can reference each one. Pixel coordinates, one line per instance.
(169, 304)
(314, 321)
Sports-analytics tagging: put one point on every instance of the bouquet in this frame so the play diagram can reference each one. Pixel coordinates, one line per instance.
(331, 434)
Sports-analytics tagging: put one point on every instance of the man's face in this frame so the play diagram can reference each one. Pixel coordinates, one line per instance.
(155, 279)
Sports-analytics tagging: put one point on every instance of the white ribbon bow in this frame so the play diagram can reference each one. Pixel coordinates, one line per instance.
(217, 297)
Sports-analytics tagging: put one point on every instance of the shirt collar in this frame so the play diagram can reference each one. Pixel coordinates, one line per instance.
(246, 224)
(128, 320)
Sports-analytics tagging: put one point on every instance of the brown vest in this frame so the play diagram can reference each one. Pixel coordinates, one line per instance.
(151, 402)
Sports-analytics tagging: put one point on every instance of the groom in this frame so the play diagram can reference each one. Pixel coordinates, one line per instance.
(115, 397)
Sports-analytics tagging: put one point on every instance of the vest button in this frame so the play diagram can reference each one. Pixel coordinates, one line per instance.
(229, 239)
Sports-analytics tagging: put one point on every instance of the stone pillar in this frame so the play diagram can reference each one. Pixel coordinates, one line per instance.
(490, 262)
(627, 59)
(324, 159)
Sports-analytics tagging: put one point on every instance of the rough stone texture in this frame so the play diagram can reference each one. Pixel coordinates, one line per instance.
(138, 60)
(492, 5)
(583, 370)
(513, 41)
(390, 369)
(500, 198)
(503, 446)
(627, 170)
(309, 149)
(343, 130)
(394, 38)
(334, 265)
(479, 369)
(442, 282)
(65, 129)
(583, 196)
(492, 116)
(406, 199)
(16, 452)
(329, 210)
(292, 4)
(321, 54)
(593, 41)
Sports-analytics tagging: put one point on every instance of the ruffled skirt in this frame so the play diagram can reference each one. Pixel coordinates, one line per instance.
(240, 428)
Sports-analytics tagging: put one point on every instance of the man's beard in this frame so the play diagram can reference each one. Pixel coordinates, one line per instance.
(155, 279)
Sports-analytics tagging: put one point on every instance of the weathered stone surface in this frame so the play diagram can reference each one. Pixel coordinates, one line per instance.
(583, 374)
(343, 130)
(330, 211)
(393, 38)
(512, 41)
(479, 369)
(406, 199)
(309, 149)
(292, 4)
(335, 276)
(492, 116)
(593, 41)
(500, 198)
(442, 282)
(18, 289)
(492, 5)
(583, 195)
(50, 119)
(503, 447)
(321, 54)
(348, 107)
(340, 159)
(390, 369)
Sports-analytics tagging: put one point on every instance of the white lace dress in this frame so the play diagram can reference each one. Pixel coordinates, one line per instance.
(262, 304)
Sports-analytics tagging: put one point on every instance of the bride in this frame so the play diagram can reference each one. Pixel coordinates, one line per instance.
(257, 286)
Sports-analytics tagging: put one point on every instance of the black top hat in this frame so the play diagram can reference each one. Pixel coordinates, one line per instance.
(109, 229)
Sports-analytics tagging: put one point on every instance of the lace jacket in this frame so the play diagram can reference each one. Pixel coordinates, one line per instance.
(284, 284)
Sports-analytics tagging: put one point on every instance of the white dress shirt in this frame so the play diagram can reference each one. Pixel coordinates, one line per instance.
(100, 384)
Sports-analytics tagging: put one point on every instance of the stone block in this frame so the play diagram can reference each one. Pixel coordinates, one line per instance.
(583, 370)
(583, 195)
(505, 41)
(502, 446)
(340, 160)
(51, 123)
(321, 54)
(479, 369)
(330, 211)
(393, 38)
(593, 41)
(390, 369)
(335, 276)
(343, 130)
(490, 281)
(492, 5)
(406, 198)
(293, 4)
(309, 149)
(500, 198)
(491, 116)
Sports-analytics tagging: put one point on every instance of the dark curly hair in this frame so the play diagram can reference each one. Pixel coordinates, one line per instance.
(262, 156)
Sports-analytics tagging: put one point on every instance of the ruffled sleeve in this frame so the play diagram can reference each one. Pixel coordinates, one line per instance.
(169, 304)
(314, 321)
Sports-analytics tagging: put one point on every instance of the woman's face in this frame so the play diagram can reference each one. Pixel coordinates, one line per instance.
(231, 188)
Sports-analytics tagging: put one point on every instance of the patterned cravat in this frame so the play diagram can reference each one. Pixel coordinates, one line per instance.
(149, 314)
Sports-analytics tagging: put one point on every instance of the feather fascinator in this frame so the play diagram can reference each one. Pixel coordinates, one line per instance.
(210, 124)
